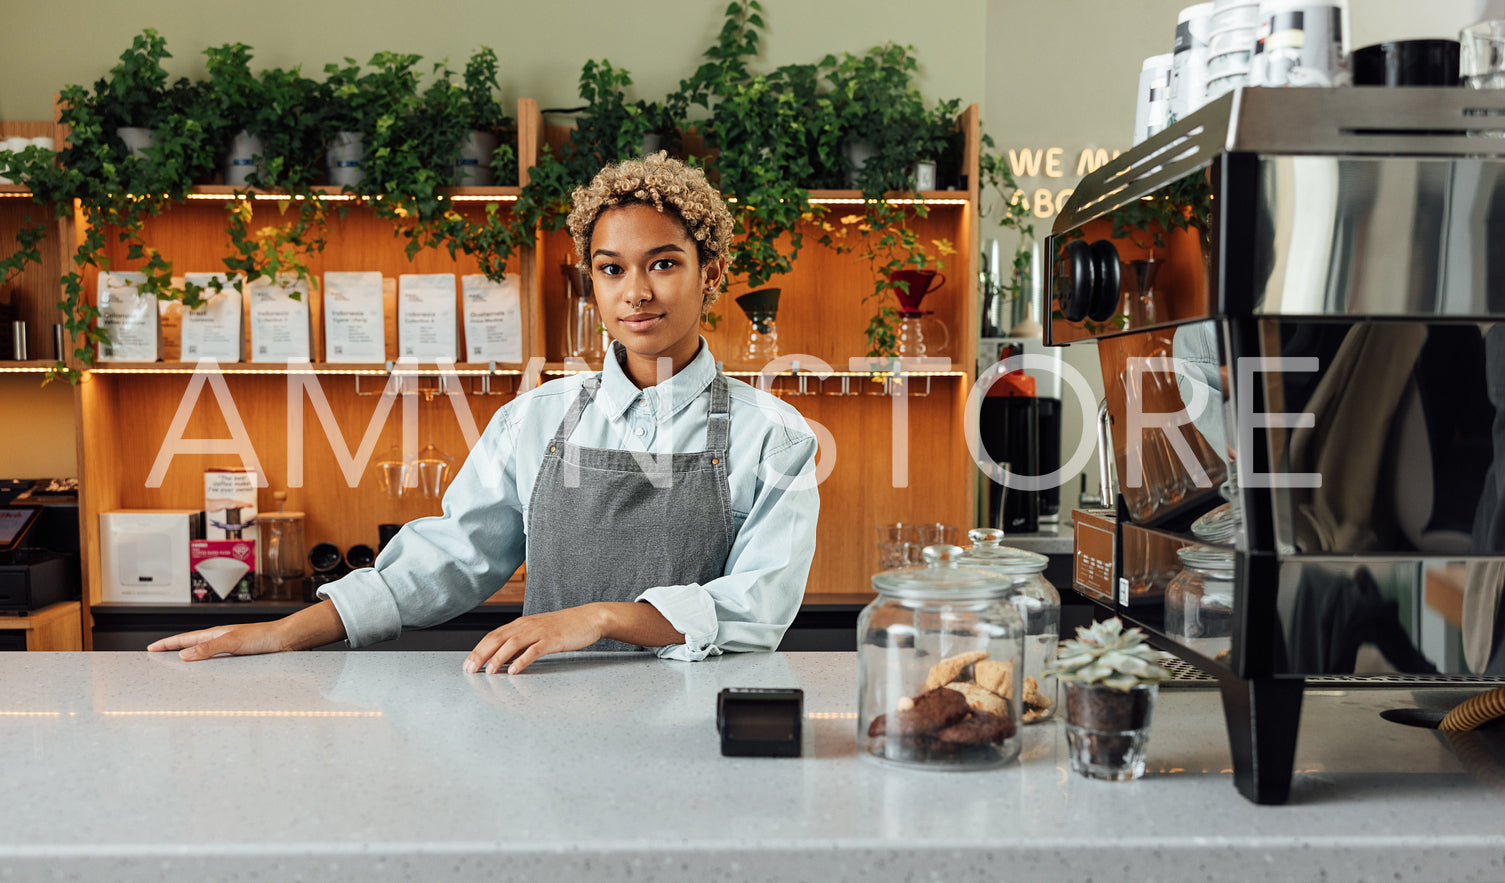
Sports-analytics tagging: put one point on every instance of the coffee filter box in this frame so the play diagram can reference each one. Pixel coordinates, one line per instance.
(129, 317)
(354, 324)
(427, 318)
(493, 319)
(222, 570)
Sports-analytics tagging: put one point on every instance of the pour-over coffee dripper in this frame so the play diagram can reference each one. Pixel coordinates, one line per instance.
(761, 307)
(912, 319)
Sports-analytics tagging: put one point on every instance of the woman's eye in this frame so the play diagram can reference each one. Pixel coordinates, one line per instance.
(663, 264)
(609, 270)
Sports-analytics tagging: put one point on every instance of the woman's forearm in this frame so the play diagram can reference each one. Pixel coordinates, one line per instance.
(636, 622)
(312, 627)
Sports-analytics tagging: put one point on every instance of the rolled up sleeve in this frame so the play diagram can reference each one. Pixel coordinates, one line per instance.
(753, 604)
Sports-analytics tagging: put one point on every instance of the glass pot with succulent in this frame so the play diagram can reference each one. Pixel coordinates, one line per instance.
(1111, 679)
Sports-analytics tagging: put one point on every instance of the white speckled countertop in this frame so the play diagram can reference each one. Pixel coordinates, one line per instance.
(397, 766)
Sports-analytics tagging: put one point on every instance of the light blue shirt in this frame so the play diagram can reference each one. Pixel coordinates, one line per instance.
(439, 567)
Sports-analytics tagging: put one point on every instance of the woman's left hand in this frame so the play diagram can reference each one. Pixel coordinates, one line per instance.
(527, 638)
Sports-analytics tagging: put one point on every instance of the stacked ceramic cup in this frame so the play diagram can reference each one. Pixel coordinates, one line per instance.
(1299, 43)
(1189, 60)
(1231, 45)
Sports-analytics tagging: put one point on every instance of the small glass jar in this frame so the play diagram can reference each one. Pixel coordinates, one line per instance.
(1199, 601)
(1038, 603)
(939, 667)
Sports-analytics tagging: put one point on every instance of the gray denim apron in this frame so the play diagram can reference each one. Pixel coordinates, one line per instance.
(605, 525)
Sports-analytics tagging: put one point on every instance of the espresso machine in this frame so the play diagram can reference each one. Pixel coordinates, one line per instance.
(1295, 296)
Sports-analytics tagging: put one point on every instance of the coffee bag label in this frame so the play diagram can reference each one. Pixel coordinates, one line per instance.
(354, 324)
(493, 319)
(427, 318)
(279, 320)
(128, 317)
(212, 331)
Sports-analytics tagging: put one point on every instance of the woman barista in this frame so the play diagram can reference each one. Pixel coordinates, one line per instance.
(658, 503)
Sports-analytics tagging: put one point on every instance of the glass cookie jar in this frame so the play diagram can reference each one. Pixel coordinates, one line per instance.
(1199, 601)
(939, 667)
(1038, 603)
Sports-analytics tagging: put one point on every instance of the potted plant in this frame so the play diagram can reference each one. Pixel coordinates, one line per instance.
(357, 100)
(488, 151)
(886, 128)
(119, 188)
(1111, 680)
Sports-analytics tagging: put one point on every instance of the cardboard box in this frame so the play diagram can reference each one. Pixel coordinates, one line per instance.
(222, 570)
(144, 554)
(230, 504)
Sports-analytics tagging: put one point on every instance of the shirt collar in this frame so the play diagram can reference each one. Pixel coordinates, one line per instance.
(618, 393)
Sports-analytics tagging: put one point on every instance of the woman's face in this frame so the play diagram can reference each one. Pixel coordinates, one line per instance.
(650, 287)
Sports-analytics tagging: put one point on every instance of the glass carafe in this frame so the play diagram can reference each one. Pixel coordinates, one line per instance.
(584, 335)
(281, 569)
(1039, 605)
(920, 336)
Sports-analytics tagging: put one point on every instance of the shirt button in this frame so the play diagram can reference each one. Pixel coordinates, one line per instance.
(640, 430)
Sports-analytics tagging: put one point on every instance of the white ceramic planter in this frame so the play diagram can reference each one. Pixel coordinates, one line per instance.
(243, 158)
(857, 154)
(137, 140)
(346, 153)
(473, 168)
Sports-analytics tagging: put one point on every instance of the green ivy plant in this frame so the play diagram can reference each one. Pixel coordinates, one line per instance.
(118, 190)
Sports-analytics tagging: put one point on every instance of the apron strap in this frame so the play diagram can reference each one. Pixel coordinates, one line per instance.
(572, 417)
(718, 427)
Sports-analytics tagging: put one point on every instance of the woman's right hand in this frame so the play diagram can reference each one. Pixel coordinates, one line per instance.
(248, 639)
(310, 627)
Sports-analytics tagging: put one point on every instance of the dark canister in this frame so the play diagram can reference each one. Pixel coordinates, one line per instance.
(1407, 63)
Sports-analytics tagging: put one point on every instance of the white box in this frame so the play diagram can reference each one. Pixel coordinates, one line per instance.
(354, 324)
(213, 330)
(280, 328)
(144, 555)
(129, 317)
(493, 319)
(427, 319)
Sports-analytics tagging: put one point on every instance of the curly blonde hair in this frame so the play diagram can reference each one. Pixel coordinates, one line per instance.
(666, 184)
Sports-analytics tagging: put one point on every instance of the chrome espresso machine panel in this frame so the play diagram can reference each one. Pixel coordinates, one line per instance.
(1294, 303)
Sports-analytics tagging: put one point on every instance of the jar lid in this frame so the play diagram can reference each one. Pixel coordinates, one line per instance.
(1206, 558)
(279, 516)
(987, 551)
(941, 577)
(1219, 525)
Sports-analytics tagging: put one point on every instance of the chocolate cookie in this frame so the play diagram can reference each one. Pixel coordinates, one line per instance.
(980, 728)
(933, 711)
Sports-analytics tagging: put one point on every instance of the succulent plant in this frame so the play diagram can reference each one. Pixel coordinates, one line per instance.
(1106, 653)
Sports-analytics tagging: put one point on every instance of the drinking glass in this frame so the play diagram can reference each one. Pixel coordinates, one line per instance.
(897, 546)
(1482, 55)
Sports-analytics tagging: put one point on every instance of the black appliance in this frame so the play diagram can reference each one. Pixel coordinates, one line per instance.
(39, 561)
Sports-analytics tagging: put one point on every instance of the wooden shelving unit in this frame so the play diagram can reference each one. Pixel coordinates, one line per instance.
(124, 410)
